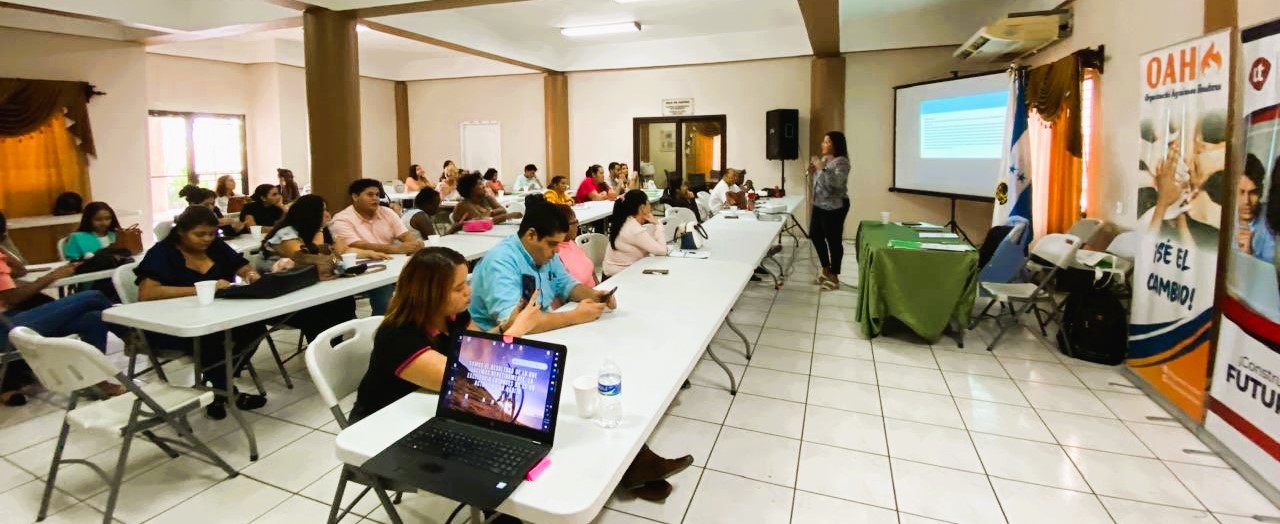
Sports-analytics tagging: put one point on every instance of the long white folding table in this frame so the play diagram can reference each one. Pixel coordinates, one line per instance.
(242, 244)
(656, 336)
(586, 212)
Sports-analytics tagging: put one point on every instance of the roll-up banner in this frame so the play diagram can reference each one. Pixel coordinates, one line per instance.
(1244, 408)
(1181, 166)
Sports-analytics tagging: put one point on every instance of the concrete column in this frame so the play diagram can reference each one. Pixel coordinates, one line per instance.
(826, 99)
(404, 156)
(555, 89)
(333, 102)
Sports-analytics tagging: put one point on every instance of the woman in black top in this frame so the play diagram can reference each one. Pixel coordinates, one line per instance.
(678, 194)
(289, 190)
(264, 209)
(428, 309)
(199, 196)
(193, 253)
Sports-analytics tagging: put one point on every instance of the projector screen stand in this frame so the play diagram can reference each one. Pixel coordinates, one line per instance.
(955, 226)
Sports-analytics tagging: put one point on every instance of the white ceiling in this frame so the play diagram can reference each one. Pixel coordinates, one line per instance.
(675, 32)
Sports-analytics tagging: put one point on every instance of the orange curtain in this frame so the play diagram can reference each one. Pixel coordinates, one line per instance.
(38, 166)
(703, 151)
(1064, 181)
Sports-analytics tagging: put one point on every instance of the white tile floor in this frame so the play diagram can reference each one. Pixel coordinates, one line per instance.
(827, 427)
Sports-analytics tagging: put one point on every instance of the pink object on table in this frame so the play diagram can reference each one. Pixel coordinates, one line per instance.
(534, 473)
(477, 226)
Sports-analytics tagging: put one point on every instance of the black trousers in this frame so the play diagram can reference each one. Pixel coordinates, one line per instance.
(826, 231)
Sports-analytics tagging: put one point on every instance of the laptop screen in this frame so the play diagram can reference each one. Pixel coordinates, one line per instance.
(504, 383)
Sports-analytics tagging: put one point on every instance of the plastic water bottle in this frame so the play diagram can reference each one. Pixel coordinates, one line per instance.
(609, 385)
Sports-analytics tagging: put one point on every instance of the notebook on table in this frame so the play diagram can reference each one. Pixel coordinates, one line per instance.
(495, 420)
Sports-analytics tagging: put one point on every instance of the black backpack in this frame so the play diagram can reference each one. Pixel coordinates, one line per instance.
(1095, 327)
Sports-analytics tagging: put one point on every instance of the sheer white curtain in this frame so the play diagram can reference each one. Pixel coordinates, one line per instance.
(1040, 144)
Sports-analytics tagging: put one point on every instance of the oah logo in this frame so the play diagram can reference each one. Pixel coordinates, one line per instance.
(1259, 72)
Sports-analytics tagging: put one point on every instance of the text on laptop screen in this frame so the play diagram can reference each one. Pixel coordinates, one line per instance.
(510, 383)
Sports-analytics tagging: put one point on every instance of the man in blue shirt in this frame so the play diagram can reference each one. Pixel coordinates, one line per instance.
(527, 261)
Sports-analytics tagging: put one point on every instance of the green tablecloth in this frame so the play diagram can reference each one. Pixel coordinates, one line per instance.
(923, 289)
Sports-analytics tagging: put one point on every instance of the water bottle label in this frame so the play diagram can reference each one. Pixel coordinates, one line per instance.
(609, 390)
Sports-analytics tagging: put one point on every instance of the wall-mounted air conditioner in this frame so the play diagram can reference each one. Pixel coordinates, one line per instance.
(1016, 35)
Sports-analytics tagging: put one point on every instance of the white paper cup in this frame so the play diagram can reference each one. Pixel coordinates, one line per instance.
(205, 291)
(733, 209)
(884, 217)
(584, 390)
(348, 260)
(501, 193)
(433, 240)
(256, 231)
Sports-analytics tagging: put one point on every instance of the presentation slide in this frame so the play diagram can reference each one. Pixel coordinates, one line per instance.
(950, 135)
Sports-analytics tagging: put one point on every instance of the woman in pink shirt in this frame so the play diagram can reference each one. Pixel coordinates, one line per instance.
(575, 260)
(629, 241)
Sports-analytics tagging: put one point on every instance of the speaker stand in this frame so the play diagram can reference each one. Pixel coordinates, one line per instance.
(955, 226)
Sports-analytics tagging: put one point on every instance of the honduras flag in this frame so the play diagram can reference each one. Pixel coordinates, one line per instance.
(1013, 187)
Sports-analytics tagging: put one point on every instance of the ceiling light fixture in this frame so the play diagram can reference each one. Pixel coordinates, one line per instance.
(605, 29)
(362, 27)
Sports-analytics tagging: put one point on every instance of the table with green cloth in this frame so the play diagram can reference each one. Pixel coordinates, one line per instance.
(924, 289)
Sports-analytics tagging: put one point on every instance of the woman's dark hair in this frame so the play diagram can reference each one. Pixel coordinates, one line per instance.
(195, 194)
(4, 224)
(674, 183)
(447, 163)
(306, 216)
(556, 179)
(467, 184)
(490, 174)
(425, 197)
(191, 218)
(570, 216)
(260, 193)
(591, 171)
(423, 288)
(413, 172)
(221, 187)
(360, 184)
(542, 217)
(289, 190)
(69, 203)
(839, 146)
(624, 208)
(86, 218)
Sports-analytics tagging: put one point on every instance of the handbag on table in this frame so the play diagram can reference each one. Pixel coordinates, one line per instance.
(691, 235)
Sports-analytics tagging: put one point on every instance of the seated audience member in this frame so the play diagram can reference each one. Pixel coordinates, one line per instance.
(79, 314)
(7, 247)
(558, 193)
(289, 190)
(193, 253)
(265, 208)
(476, 203)
(629, 241)
(426, 314)
(199, 196)
(417, 179)
(593, 186)
(727, 192)
(529, 256)
(615, 179)
(366, 225)
(448, 186)
(69, 203)
(630, 180)
(425, 206)
(491, 180)
(677, 194)
(529, 180)
(98, 227)
(224, 189)
(575, 260)
(303, 231)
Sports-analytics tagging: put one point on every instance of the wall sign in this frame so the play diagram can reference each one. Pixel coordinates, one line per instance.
(677, 107)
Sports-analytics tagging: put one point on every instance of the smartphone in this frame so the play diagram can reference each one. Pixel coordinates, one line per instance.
(605, 297)
(528, 284)
(655, 272)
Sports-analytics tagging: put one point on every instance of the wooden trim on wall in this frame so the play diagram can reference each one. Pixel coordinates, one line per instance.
(822, 22)
(1220, 14)
(402, 33)
(404, 156)
(423, 7)
(224, 31)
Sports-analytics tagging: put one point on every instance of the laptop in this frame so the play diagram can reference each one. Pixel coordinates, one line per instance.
(495, 421)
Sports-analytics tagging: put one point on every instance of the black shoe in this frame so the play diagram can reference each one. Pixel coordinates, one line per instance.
(686, 384)
(217, 410)
(16, 399)
(248, 402)
(756, 278)
(760, 270)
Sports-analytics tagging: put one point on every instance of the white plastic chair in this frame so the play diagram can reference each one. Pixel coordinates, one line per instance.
(1085, 229)
(62, 249)
(126, 285)
(516, 207)
(680, 215)
(1125, 245)
(67, 366)
(595, 245)
(1059, 250)
(162, 229)
(337, 371)
(669, 228)
(704, 203)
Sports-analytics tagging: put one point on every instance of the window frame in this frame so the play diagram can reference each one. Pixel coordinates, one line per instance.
(189, 118)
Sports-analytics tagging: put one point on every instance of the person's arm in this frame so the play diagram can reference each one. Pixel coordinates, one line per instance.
(20, 294)
(17, 268)
(248, 274)
(426, 370)
(581, 293)
(409, 242)
(151, 290)
(423, 224)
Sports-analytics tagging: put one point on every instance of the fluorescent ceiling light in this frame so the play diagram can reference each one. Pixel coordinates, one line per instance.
(605, 29)
(361, 27)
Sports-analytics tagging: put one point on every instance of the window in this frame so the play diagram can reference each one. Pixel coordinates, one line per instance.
(1088, 114)
(192, 148)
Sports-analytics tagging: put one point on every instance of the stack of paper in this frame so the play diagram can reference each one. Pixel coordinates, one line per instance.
(947, 247)
(689, 253)
(938, 235)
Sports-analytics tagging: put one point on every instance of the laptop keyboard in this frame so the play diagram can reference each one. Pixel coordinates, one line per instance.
(497, 457)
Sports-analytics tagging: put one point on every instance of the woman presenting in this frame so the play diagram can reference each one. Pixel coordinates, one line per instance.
(830, 206)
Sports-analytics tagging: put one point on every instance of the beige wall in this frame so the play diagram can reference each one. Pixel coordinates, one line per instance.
(1129, 30)
(869, 104)
(1253, 12)
(263, 134)
(119, 172)
(437, 107)
(378, 129)
(603, 104)
(189, 84)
